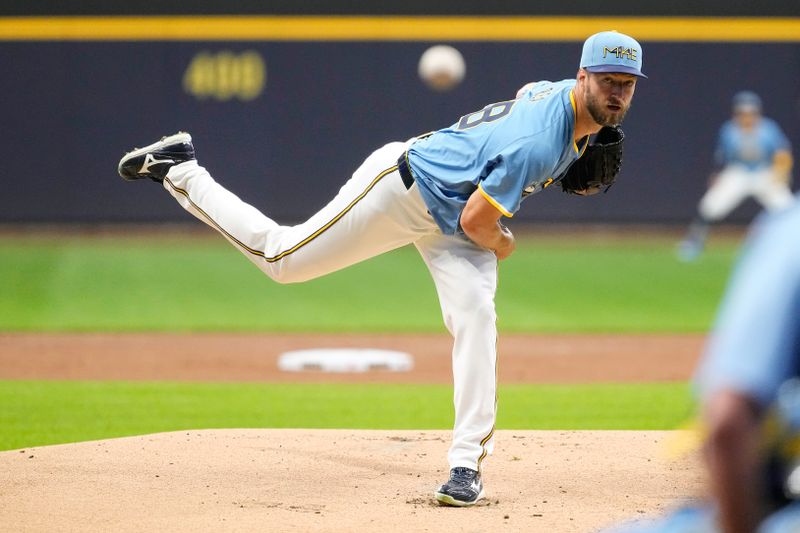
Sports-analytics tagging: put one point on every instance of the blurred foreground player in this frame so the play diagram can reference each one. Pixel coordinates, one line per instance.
(750, 394)
(445, 193)
(755, 159)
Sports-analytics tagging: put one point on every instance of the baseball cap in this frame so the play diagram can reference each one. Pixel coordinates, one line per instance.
(747, 101)
(611, 51)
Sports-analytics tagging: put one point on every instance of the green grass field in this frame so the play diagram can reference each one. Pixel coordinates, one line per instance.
(205, 285)
(139, 284)
(38, 412)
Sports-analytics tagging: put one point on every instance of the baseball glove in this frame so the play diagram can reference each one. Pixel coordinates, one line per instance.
(598, 167)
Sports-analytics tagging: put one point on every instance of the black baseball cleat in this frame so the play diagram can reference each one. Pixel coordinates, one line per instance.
(154, 161)
(464, 488)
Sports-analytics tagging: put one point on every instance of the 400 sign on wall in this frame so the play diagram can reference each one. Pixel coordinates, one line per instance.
(226, 75)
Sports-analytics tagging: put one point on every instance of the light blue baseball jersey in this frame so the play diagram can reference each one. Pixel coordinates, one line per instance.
(755, 343)
(754, 149)
(507, 150)
(691, 518)
(704, 518)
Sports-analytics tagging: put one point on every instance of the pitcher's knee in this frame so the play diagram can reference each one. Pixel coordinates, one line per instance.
(484, 312)
(286, 276)
(281, 276)
(469, 315)
(711, 212)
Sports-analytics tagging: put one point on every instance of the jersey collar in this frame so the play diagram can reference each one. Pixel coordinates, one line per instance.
(585, 140)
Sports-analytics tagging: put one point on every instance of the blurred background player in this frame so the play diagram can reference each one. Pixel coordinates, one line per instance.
(750, 394)
(754, 157)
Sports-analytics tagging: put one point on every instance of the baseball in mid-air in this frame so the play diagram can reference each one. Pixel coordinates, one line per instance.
(442, 67)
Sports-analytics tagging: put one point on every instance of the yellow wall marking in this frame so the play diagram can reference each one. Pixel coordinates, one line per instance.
(393, 28)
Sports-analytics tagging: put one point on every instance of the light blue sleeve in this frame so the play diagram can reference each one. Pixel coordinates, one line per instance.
(722, 152)
(531, 88)
(691, 518)
(510, 173)
(784, 520)
(755, 343)
(777, 138)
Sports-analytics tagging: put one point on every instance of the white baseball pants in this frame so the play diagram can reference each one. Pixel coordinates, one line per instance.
(374, 213)
(735, 183)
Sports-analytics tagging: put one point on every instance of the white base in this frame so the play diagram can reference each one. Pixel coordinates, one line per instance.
(345, 360)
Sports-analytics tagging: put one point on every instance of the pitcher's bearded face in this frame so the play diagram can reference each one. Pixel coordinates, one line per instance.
(608, 96)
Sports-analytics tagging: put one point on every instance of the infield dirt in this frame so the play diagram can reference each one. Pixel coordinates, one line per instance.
(336, 480)
(253, 357)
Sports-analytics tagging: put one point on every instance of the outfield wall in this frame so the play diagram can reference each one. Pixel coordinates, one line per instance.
(284, 121)
(723, 8)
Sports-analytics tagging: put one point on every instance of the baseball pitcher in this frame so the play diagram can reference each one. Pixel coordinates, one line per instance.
(445, 193)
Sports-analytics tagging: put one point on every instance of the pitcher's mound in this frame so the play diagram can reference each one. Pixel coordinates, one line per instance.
(336, 480)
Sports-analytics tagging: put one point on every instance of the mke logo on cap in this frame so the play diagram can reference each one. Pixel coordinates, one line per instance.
(620, 52)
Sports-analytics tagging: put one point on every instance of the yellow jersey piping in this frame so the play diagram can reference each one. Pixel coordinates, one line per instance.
(494, 202)
(575, 113)
(485, 440)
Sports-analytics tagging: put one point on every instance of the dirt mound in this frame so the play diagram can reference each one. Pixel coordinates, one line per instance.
(336, 480)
